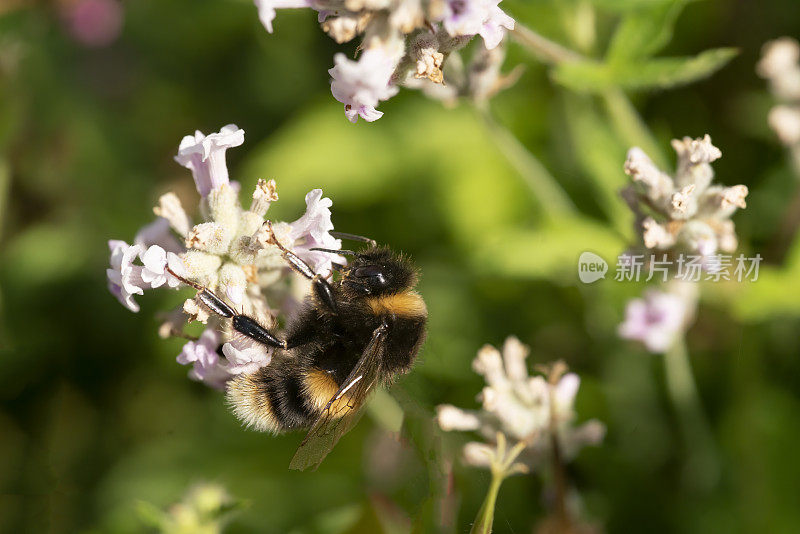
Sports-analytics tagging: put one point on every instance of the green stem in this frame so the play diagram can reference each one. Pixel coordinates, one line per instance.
(544, 49)
(485, 518)
(630, 127)
(554, 201)
(5, 180)
(702, 469)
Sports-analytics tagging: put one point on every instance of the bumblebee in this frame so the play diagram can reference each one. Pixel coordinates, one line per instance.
(360, 330)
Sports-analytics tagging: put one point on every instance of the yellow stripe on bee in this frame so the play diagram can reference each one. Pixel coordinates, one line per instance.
(404, 304)
(320, 387)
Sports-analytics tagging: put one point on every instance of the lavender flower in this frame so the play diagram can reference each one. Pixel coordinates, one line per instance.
(476, 17)
(244, 355)
(685, 212)
(360, 85)
(205, 156)
(312, 230)
(780, 65)
(266, 9)
(158, 233)
(529, 410)
(402, 42)
(655, 320)
(206, 365)
(231, 251)
(124, 278)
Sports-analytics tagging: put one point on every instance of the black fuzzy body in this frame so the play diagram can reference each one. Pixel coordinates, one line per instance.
(327, 341)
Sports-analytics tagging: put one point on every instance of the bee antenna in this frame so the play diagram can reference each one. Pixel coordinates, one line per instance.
(331, 251)
(354, 237)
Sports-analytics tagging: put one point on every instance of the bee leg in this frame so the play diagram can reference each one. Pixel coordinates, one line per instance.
(322, 289)
(241, 323)
(249, 327)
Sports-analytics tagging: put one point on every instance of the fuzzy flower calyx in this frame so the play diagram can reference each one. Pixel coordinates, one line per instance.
(683, 212)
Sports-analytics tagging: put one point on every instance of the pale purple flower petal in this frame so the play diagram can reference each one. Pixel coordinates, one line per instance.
(654, 320)
(482, 17)
(206, 365)
(494, 28)
(124, 278)
(245, 355)
(361, 85)
(205, 156)
(266, 9)
(158, 233)
(313, 230)
(126, 299)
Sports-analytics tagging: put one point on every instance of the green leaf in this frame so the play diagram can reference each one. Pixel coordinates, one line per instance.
(549, 252)
(600, 153)
(661, 73)
(644, 32)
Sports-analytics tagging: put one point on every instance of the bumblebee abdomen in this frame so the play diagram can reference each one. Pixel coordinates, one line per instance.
(272, 399)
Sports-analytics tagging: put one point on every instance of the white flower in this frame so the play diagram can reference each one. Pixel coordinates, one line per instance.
(684, 213)
(785, 121)
(451, 418)
(481, 17)
(528, 409)
(655, 320)
(360, 85)
(778, 56)
(313, 230)
(156, 261)
(205, 156)
(245, 355)
(266, 9)
(124, 278)
(779, 64)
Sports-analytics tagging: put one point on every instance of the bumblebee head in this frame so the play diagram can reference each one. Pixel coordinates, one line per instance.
(378, 271)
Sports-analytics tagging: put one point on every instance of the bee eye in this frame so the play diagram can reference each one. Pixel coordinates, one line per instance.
(372, 272)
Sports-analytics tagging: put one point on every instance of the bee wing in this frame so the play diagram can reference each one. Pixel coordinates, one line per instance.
(343, 410)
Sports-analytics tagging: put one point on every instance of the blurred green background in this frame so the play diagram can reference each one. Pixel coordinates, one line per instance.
(95, 413)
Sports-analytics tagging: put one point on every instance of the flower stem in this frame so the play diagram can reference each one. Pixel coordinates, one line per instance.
(701, 470)
(553, 199)
(559, 473)
(485, 518)
(544, 49)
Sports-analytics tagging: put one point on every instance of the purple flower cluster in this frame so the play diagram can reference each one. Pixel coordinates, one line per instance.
(231, 252)
(403, 41)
